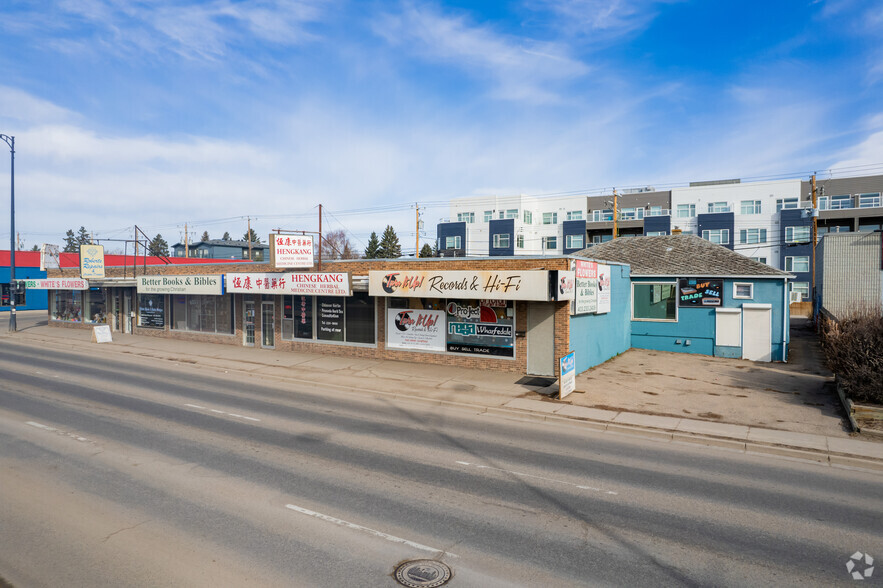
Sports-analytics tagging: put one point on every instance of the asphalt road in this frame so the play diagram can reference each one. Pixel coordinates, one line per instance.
(123, 471)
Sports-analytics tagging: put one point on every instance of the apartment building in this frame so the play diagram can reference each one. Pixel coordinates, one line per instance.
(769, 221)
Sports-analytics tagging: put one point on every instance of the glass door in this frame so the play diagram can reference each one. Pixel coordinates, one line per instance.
(248, 322)
(268, 324)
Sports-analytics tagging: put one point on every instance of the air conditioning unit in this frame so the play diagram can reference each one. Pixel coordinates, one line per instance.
(796, 297)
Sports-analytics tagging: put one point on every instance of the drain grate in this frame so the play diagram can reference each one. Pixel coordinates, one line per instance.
(423, 573)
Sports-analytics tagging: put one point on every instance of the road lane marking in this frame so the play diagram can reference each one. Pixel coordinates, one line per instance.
(230, 414)
(580, 486)
(356, 527)
(54, 430)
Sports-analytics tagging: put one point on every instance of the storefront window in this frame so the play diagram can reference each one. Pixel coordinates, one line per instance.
(297, 317)
(66, 305)
(483, 327)
(654, 302)
(330, 310)
(152, 310)
(204, 314)
(350, 320)
(97, 307)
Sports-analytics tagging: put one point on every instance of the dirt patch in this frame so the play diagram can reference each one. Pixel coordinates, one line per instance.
(710, 415)
(651, 393)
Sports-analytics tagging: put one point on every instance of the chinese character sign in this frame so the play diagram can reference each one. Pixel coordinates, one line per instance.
(292, 250)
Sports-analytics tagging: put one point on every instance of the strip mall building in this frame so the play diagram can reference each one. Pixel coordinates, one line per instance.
(510, 315)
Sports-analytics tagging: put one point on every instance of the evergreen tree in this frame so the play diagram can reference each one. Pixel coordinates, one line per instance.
(426, 250)
(226, 237)
(250, 235)
(83, 237)
(70, 242)
(373, 248)
(158, 247)
(35, 248)
(390, 247)
(435, 249)
(205, 236)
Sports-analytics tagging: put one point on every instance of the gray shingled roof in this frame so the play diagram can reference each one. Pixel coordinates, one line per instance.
(678, 255)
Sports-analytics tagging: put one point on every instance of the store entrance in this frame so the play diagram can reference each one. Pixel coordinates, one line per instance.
(268, 324)
(541, 339)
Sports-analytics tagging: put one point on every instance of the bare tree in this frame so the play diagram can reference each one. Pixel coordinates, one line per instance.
(336, 245)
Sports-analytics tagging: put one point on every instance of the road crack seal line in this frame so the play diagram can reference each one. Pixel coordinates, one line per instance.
(230, 414)
(124, 529)
(49, 429)
(580, 486)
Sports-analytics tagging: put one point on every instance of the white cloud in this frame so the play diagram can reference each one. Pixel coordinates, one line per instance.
(520, 68)
(22, 109)
(602, 19)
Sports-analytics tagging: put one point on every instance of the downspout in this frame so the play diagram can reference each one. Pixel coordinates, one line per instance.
(786, 311)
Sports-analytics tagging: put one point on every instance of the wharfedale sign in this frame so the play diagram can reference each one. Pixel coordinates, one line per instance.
(499, 285)
(302, 284)
(180, 285)
(291, 250)
(57, 284)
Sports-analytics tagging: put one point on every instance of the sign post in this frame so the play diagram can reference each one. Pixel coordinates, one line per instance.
(567, 379)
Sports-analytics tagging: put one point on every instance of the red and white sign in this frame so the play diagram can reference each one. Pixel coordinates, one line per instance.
(604, 289)
(292, 250)
(415, 329)
(305, 284)
(586, 298)
(586, 269)
(57, 284)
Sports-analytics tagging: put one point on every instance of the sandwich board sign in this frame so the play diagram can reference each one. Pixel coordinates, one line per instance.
(567, 379)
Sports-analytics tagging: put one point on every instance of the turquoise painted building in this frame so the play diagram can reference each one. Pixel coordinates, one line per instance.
(689, 295)
(599, 337)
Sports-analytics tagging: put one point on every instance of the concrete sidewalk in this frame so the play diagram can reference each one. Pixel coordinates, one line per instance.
(507, 395)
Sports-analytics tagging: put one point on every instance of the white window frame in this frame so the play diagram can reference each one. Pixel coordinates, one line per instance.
(519, 241)
(803, 290)
(569, 241)
(789, 263)
(602, 216)
(724, 236)
(689, 209)
(745, 236)
(787, 204)
(550, 218)
(715, 207)
(750, 286)
(501, 240)
(649, 320)
(466, 217)
(456, 241)
(574, 215)
(656, 233)
(488, 216)
(528, 217)
(759, 259)
(550, 240)
(790, 236)
(751, 207)
(868, 200)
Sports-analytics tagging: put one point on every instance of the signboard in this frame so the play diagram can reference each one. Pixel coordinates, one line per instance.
(56, 284)
(306, 284)
(567, 379)
(101, 334)
(49, 257)
(415, 329)
(151, 311)
(586, 283)
(604, 283)
(699, 292)
(211, 285)
(330, 311)
(291, 250)
(502, 285)
(481, 328)
(565, 285)
(92, 261)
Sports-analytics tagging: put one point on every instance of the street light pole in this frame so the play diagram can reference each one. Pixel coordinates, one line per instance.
(12, 285)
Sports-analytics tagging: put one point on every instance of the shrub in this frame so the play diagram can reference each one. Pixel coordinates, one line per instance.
(853, 349)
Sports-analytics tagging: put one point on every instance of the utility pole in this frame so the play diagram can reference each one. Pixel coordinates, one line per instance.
(615, 215)
(186, 241)
(248, 237)
(417, 245)
(815, 228)
(136, 247)
(12, 285)
(320, 237)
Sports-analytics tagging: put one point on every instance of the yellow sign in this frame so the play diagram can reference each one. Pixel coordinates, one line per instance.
(92, 261)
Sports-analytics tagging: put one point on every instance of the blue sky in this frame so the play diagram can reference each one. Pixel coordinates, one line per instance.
(165, 112)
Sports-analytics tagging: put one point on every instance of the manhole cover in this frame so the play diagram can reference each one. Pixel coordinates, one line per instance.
(423, 573)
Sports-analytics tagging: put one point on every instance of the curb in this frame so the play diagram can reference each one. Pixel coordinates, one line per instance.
(803, 454)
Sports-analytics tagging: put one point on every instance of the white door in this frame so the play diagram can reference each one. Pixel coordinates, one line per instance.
(541, 338)
(757, 332)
